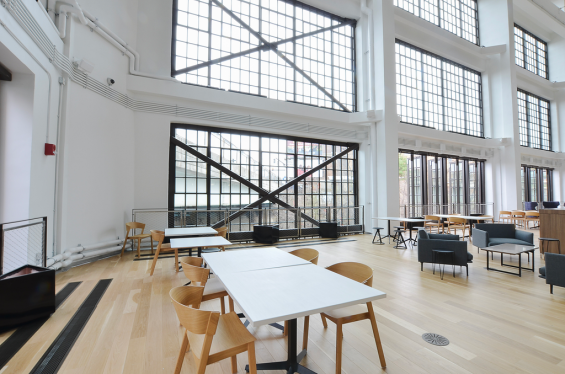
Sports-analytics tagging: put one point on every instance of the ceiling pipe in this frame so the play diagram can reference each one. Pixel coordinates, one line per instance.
(370, 61)
(91, 21)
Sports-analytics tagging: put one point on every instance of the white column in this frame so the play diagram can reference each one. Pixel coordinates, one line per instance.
(496, 28)
(385, 132)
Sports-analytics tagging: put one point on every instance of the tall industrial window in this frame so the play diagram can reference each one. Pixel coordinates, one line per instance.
(531, 52)
(440, 184)
(434, 92)
(279, 49)
(459, 17)
(537, 184)
(534, 120)
(267, 161)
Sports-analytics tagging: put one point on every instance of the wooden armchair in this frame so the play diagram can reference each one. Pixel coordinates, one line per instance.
(159, 236)
(505, 216)
(307, 254)
(362, 274)
(436, 222)
(198, 276)
(456, 223)
(211, 337)
(132, 226)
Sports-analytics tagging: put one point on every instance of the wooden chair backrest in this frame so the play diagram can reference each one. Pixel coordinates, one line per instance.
(194, 261)
(196, 274)
(307, 254)
(532, 213)
(505, 212)
(518, 213)
(194, 320)
(134, 225)
(457, 220)
(157, 236)
(222, 231)
(354, 270)
(433, 218)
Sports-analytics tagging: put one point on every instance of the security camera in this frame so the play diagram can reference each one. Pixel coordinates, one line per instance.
(111, 81)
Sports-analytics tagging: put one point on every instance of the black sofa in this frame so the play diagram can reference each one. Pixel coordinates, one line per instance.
(428, 242)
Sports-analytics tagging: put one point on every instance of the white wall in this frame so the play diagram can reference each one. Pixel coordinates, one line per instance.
(16, 131)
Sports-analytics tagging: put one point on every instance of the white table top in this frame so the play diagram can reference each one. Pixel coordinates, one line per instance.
(403, 219)
(464, 217)
(510, 248)
(250, 259)
(200, 241)
(190, 231)
(279, 294)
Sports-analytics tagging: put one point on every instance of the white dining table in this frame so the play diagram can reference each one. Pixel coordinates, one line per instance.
(189, 231)
(285, 293)
(200, 242)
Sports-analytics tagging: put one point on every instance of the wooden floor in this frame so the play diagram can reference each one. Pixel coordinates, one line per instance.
(496, 323)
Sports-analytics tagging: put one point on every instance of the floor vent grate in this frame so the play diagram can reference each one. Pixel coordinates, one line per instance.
(435, 339)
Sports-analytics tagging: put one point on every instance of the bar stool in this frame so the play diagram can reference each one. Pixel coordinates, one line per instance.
(399, 238)
(380, 242)
(548, 241)
(396, 228)
(417, 228)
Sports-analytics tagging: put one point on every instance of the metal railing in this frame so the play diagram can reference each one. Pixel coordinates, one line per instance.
(419, 210)
(293, 223)
(23, 243)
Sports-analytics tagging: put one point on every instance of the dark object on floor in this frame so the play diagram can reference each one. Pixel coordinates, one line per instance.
(429, 242)
(554, 270)
(26, 294)
(19, 338)
(399, 238)
(266, 234)
(329, 230)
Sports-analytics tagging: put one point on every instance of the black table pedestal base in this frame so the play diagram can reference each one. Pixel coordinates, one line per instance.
(292, 364)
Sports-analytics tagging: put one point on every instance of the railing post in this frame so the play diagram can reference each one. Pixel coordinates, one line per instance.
(44, 254)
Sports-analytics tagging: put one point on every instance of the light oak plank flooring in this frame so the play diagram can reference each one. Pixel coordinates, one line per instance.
(496, 323)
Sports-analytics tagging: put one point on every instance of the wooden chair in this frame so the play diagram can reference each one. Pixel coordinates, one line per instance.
(518, 217)
(504, 216)
(211, 336)
(222, 231)
(531, 216)
(307, 254)
(213, 288)
(437, 223)
(159, 236)
(456, 223)
(362, 274)
(132, 226)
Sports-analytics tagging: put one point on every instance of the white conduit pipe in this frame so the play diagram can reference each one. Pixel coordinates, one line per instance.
(71, 254)
(94, 24)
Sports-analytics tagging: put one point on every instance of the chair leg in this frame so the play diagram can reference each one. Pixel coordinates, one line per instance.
(251, 358)
(338, 348)
(151, 245)
(305, 335)
(222, 305)
(233, 360)
(138, 248)
(285, 331)
(231, 306)
(467, 266)
(182, 352)
(124, 246)
(376, 334)
(551, 289)
(176, 260)
(324, 322)
(155, 261)
(421, 266)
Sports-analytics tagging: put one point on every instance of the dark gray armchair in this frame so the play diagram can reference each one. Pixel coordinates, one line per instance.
(554, 270)
(489, 234)
(428, 242)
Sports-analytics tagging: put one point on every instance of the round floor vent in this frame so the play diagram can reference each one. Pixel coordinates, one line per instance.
(435, 339)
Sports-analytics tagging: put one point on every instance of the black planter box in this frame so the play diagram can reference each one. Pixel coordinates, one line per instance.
(26, 294)
(329, 230)
(266, 234)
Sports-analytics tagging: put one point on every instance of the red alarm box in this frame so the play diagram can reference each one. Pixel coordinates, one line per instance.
(50, 149)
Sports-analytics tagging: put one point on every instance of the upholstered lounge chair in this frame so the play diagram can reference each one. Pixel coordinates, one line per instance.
(428, 242)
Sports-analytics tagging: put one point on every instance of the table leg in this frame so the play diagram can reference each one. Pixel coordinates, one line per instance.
(487, 260)
(520, 265)
(292, 364)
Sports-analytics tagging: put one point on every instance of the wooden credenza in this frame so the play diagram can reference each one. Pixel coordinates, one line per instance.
(552, 225)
